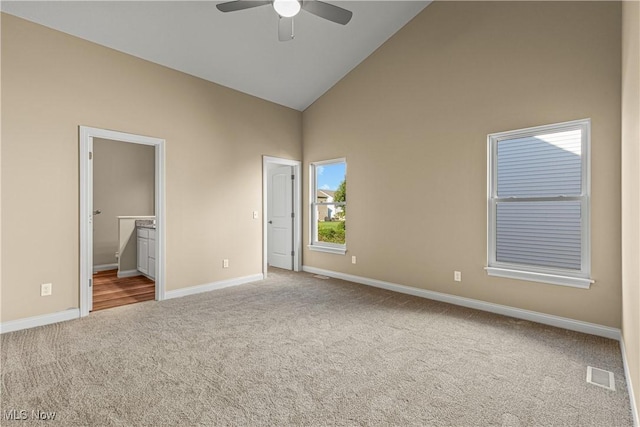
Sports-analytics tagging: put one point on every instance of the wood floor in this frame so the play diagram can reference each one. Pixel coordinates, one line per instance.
(109, 291)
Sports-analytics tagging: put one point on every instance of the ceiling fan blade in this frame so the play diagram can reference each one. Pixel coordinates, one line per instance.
(232, 6)
(328, 11)
(285, 29)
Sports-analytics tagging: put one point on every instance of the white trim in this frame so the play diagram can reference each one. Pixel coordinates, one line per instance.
(297, 211)
(105, 267)
(553, 279)
(213, 286)
(319, 247)
(534, 316)
(314, 244)
(45, 319)
(86, 198)
(581, 278)
(129, 273)
(627, 374)
(86, 234)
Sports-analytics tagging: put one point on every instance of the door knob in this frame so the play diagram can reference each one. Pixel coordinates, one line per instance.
(97, 212)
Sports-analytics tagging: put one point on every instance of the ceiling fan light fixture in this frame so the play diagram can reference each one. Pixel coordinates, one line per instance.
(286, 8)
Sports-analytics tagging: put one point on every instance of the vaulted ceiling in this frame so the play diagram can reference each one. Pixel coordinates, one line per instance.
(240, 49)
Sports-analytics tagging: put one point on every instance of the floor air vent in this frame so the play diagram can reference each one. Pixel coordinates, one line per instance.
(601, 378)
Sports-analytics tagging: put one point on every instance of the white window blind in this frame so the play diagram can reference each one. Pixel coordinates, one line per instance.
(545, 234)
(541, 165)
(538, 203)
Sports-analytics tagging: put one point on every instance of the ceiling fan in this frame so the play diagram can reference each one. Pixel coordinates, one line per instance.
(287, 9)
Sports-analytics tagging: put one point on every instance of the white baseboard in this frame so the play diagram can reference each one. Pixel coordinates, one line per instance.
(213, 286)
(45, 319)
(534, 316)
(74, 313)
(128, 273)
(104, 267)
(625, 362)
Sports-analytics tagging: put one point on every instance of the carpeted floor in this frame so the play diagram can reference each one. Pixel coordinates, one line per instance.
(297, 350)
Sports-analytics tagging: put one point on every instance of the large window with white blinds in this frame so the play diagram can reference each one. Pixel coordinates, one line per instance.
(539, 204)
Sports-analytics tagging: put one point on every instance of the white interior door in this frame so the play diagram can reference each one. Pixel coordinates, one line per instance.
(280, 217)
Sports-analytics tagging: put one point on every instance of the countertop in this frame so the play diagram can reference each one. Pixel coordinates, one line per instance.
(146, 223)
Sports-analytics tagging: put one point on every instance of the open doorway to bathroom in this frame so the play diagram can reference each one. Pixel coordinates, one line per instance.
(123, 223)
(121, 219)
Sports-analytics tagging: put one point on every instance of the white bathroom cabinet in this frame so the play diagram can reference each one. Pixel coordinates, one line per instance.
(147, 252)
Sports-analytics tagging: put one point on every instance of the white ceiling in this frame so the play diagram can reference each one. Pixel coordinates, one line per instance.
(240, 49)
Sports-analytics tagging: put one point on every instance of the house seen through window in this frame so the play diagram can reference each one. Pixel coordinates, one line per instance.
(329, 205)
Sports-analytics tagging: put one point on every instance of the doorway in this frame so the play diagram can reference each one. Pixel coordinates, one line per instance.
(123, 223)
(128, 232)
(281, 218)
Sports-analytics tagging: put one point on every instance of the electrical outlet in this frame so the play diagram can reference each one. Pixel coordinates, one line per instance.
(353, 259)
(457, 276)
(255, 214)
(46, 289)
(225, 263)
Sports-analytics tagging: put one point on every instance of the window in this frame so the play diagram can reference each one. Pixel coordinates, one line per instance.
(539, 204)
(328, 206)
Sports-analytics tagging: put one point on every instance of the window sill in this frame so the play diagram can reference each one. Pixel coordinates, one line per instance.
(574, 282)
(328, 249)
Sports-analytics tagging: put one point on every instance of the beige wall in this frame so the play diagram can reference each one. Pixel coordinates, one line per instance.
(412, 121)
(215, 139)
(631, 189)
(123, 185)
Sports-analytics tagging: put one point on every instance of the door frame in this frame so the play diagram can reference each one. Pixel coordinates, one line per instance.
(297, 211)
(86, 205)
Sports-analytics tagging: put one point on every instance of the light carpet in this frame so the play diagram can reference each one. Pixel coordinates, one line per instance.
(298, 350)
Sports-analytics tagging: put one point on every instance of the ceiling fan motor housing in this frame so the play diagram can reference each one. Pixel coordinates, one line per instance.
(287, 8)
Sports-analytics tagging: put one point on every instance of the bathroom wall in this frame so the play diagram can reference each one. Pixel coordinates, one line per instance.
(123, 185)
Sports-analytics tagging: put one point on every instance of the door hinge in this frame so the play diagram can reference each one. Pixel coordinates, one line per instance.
(292, 253)
(292, 215)
(293, 177)
(90, 155)
(90, 282)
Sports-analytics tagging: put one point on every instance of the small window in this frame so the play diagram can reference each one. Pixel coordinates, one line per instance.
(539, 204)
(329, 206)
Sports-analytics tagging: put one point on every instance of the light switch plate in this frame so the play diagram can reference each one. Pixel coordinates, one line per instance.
(46, 289)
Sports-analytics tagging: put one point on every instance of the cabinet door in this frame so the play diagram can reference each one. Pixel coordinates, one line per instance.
(152, 257)
(152, 267)
(152, 248)
(143, 255)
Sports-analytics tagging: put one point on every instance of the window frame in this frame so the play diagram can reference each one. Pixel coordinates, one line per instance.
(550, 275)
(314, 244)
